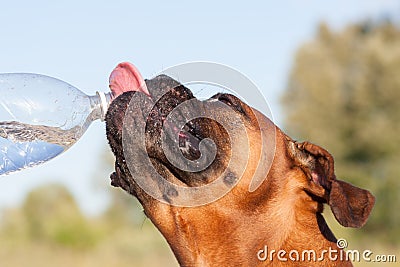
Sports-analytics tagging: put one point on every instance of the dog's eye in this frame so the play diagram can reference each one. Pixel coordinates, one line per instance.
(231, 101)
(226, 101)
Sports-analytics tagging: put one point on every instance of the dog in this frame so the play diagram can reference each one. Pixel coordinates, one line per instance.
(271, 225)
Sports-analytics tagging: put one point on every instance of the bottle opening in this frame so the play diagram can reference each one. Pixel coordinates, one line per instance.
(105, 100)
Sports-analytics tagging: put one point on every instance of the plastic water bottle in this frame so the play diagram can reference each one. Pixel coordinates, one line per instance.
(41, 117)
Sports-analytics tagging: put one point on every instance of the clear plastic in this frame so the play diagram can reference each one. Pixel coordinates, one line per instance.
(41, 117)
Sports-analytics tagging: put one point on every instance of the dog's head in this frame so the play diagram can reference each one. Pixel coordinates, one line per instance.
(295, 170)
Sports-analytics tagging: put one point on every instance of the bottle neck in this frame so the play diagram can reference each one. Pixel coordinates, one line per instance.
(99, 104)
(105, 100)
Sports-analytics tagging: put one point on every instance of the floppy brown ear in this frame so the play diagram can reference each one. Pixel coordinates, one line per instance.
(350, 205)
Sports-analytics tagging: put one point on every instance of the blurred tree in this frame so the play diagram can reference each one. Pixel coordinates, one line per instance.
(51, 214)
(49, 230)
(344, 94)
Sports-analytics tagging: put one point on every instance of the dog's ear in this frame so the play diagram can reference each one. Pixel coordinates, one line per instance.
(316, 163)
(350, 205)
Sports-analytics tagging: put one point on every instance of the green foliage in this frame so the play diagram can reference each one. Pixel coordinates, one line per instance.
(52, 215)
(49, 230)
(344, 94)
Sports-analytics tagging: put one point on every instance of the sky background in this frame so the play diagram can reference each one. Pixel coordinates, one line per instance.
(80, 42)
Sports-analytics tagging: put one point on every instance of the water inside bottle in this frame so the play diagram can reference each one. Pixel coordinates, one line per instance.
(25, 145)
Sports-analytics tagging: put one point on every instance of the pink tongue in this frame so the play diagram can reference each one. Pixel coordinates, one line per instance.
(125, 77)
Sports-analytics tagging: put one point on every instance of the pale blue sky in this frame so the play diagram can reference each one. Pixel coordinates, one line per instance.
(80, 42)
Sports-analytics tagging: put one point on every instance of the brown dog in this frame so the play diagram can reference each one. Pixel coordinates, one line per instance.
(242, 228)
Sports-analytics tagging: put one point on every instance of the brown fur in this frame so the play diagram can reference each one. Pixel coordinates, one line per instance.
(285, 212)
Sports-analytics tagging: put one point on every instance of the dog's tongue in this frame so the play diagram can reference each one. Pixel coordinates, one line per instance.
(126, 77)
